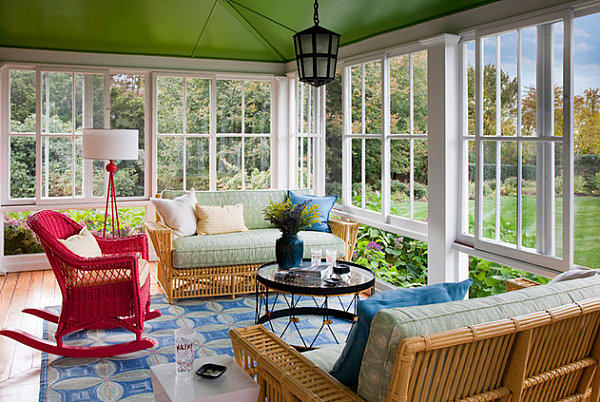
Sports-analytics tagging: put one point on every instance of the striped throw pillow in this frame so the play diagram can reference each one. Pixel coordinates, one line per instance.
(213, 219)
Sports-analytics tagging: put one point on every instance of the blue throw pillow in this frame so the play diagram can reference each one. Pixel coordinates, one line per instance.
(325, 205)
(347, 366)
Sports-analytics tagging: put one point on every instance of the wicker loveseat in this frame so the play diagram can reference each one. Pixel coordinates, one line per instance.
(536, 344)
(225, 264)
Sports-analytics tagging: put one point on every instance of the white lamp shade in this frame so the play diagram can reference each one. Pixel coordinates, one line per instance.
(110, 144)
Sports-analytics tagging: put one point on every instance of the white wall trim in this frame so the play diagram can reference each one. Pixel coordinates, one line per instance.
(39, 56)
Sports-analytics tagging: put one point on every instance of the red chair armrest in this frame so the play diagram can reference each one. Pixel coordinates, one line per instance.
(137, 243)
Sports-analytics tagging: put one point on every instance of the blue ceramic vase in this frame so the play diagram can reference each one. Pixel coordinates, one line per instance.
(289, 250)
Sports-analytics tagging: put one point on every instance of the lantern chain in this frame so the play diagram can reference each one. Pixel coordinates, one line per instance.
(316, 16)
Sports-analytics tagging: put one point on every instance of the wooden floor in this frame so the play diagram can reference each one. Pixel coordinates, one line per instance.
(19, 364)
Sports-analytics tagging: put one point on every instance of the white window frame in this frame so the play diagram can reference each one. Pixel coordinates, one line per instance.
(311, 158)
(545, 244)
(213, 135)
(384, 219)
(87, 199)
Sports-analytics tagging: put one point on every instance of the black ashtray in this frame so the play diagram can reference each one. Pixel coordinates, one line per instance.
(332, 281)
(341, 269)
(211, 370)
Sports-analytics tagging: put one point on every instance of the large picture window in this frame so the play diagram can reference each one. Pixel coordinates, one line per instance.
(44, 151)
(385, 137)
(232, 153)
(529, 178)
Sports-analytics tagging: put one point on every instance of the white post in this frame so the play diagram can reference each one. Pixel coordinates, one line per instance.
(444, 158)
(280, 134)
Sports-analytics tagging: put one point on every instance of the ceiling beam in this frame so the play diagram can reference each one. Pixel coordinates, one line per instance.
(203, 29)
(250, 27)
(263, 16)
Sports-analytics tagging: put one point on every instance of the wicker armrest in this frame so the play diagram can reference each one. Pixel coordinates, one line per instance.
(281, 370)
(161, 236)
(519, 283)
(347, 231)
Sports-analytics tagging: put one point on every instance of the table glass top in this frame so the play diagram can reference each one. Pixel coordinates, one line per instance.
(357, 276)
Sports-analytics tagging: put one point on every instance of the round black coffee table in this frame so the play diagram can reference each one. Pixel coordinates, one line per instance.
(273, 279)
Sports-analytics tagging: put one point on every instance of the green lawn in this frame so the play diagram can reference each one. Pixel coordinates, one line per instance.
(587, 225)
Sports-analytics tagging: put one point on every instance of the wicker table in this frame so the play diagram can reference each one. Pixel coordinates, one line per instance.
(360, 279)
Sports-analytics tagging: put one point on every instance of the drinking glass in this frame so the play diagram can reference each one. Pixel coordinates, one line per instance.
(330, 256)
(315, 256)
(184, 349)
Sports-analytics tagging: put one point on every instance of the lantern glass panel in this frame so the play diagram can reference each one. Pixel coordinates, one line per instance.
(334, 44)
(322, 63)
(306, 44)
(307, 64)
(322, 43)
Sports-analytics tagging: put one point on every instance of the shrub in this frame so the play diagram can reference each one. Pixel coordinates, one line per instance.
(395, 259)
(579, 185)
(19, 239)
(489, 277)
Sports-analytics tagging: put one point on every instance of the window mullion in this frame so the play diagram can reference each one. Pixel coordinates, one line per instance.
(243, 129)
(212, 162)
(568, 145)
(498, 143)
(477, 229)
(73, 136)
(519, 146)
(411, 118)
(363, 184)
(184, 125)
(38, 135)
(386, 175)
(88, 122)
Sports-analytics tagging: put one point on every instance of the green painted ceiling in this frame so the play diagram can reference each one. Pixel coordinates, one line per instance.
(259, 30)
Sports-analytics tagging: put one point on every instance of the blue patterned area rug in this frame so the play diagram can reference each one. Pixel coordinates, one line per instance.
(127, 377)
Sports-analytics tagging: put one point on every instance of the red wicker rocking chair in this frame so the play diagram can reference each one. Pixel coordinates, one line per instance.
(98, 293)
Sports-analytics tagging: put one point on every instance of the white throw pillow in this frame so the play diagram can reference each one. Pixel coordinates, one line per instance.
(213, 219)
(83, 244)
(178, 213)
(576, 273)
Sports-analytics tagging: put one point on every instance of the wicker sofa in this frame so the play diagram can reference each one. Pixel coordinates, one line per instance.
(536, 344)
(217, 265)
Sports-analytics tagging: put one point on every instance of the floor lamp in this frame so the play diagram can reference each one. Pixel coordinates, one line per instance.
(111, 145)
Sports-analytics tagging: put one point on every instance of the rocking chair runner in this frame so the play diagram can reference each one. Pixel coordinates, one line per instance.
(102, 292)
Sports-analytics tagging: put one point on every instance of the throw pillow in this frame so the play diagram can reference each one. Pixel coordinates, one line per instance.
(213, 219)
(575, 273)
(83, 244)
(347, 366)
(325, 205)
(178, 213)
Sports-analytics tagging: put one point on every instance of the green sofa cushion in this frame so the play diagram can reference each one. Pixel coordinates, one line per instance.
(254, 202)
(390, 326)
(251, 247)
(325, 357)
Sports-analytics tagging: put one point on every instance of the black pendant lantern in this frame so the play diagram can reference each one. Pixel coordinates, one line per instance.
(316, 53)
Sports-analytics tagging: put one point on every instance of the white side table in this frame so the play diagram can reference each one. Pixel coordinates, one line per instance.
(233, 385)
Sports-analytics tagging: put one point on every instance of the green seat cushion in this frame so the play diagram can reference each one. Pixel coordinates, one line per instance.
(326, 356)
(390, 326)
(254, 202)
(251, 247)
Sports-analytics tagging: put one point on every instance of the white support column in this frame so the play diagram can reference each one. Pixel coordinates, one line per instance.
(444, 158)
(280, 136)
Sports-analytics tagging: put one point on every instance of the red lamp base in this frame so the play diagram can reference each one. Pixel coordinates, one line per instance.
(111, 197)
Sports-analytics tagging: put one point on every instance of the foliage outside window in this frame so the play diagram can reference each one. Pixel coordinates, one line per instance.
(186, 138)
(19, 239)
(522, 165)
(402, 262)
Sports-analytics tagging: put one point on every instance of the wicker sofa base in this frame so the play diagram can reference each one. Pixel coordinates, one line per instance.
(185, 283)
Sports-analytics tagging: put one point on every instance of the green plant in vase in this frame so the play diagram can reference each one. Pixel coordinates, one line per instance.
(290, 219)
